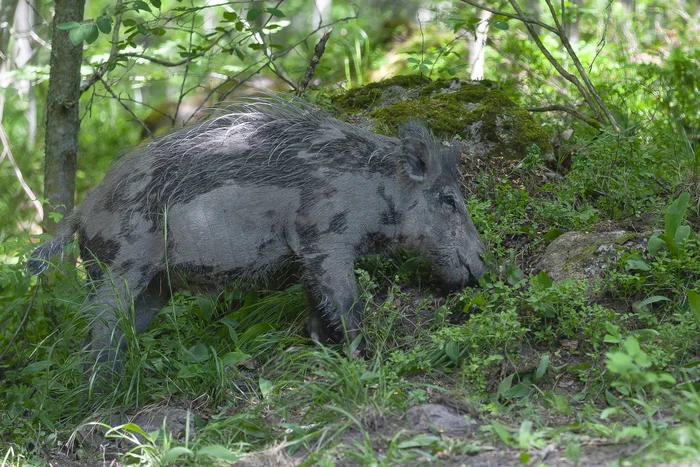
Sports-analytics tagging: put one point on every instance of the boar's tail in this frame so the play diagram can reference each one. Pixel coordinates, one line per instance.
(39, 259)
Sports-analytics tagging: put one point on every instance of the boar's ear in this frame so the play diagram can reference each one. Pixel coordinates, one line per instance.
(415, 136)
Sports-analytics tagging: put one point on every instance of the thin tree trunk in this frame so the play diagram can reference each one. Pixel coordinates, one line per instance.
(23, 53)
(62, 113)
(7, 14)
(477, 48)
(532, 7)
(629, 10)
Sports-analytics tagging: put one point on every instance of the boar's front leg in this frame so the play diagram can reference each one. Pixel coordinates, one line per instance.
(331, 290)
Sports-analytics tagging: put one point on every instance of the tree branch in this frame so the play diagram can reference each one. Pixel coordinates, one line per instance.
(570, 110)
(579, 67)
(85, 85)
(568, 76)
(318, 53)
(126, 107)
(512, 16)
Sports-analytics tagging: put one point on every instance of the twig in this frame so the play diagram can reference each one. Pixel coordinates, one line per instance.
(270, 58)
(602, 42)
(126, 107)
(184, 75)
(318, 53)
(512, 16)
(568, 76)
(7, 152)
(563, 108)
(493, 42)
(581, 70)
(283, 53)
(24, 320)
(85, 85)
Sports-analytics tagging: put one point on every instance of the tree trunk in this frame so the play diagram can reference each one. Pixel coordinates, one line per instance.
(23, 53)
(62, 113)
(7, 14)
(478, 47)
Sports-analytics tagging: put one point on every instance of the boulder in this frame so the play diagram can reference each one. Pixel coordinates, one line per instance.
(586, 255)
(480, 113)
(428, 417)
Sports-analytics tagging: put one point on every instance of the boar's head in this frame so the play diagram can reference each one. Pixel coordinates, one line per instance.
(435, 219)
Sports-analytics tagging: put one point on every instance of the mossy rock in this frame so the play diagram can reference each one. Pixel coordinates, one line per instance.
(478, 112)
(587, 255)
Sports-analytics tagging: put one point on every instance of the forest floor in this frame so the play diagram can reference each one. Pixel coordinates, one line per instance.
(521, 370)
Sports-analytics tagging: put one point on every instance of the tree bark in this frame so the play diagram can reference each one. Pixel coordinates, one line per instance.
(62, 113)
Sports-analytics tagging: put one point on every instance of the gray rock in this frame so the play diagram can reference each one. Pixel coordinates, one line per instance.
(92, 434)
(427, 417)
(586, 255)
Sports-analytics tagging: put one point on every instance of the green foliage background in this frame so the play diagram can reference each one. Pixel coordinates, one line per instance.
(537, 363)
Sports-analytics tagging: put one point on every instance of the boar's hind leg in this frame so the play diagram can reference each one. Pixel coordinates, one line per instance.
(331, 289)
(112, 306)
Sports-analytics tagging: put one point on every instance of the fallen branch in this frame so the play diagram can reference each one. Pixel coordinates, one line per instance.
(318, 53)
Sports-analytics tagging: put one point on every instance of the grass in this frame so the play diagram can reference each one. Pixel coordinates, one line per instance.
(567, 368)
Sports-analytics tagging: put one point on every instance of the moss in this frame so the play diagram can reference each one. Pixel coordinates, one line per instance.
(361, 99)
(624, 238)
(510, 129)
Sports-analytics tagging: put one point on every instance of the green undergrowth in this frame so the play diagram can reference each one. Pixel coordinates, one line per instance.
(532, 362)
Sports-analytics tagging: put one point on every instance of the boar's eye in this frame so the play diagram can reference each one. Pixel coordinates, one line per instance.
(450, 200)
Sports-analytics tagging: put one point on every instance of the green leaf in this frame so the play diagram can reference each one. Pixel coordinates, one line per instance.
(234, 358)
(68, 25)
(542, 367)
(552, 234)
(514, 275)
(610, 398)
(174, 453)
(518, 391)
(694, 301)
(675, 213)
(643, 335)
(85, 32)
(255, 331)
(501, 431)
(505, 385)
(141, 6)
(671, 244)
(502, 25)
(682, 234)
(104, 24)
(253, 14)
(156, 3)
(230, 16)
(541, 281)
(419, 441)
(275, 12)
(198, 353)
(218, 451)
(452, 351)
(265, 387)
(650, 300)
(635, 262)
(655, 244)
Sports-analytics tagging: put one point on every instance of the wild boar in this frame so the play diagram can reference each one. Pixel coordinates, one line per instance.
(270, 182)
